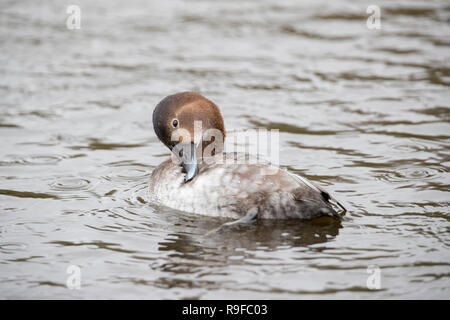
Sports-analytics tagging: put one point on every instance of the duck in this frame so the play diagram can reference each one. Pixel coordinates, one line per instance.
(201, 178)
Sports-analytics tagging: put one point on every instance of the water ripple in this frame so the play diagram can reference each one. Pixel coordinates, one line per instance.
(127, 171)
(40, 159)
(405, 174)
(70, 184)
(12, 247)
(414, 145)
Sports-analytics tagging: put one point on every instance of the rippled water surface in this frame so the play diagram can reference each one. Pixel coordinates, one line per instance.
(365, 113)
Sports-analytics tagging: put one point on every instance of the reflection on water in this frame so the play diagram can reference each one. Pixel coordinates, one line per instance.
(362, 112)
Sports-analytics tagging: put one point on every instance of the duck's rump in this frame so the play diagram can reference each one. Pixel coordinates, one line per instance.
(227, 189)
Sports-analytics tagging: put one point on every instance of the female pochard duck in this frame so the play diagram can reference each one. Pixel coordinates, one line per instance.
(199, 178)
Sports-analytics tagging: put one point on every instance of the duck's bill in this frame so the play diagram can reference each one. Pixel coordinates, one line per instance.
(188, 157)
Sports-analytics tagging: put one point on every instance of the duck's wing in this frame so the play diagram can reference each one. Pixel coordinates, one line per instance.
(248, 218)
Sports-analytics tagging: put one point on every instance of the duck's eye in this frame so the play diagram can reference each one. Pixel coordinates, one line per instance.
(175, 123)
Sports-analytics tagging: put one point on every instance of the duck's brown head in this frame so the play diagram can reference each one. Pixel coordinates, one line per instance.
(191, 126)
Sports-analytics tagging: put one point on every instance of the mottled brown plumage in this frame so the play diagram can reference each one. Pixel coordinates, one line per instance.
(227, 188)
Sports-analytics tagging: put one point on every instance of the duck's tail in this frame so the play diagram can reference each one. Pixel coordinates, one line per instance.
(317, 204)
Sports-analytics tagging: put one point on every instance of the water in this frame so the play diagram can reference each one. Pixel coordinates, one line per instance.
(365, 113)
